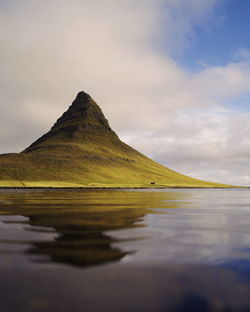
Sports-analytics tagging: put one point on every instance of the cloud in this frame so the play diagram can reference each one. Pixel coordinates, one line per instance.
(121, 52)
(242, 54)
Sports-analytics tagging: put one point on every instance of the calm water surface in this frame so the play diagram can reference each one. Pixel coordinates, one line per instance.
(125, 250)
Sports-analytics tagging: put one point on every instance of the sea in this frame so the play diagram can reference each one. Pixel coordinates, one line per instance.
(176, 250)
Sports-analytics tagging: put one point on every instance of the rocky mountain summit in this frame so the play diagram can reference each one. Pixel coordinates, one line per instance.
(84, 117)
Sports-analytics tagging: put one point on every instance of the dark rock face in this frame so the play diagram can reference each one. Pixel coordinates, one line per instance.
(84, 110)
(84, 117)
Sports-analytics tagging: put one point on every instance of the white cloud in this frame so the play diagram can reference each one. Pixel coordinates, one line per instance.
(204, 144)
(242, 54)
(114, 50)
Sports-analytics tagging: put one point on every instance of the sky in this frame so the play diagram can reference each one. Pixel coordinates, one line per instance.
(171, 76)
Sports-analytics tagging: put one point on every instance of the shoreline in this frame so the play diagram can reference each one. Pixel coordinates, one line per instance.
(116, 188)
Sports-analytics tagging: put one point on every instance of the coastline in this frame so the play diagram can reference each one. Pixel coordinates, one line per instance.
(118, 188)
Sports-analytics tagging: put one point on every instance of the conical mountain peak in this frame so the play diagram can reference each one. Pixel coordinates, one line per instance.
(84, 118)
(82, 150)
(83, 111)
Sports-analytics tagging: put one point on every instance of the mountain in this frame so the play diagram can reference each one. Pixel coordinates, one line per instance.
(82, 150)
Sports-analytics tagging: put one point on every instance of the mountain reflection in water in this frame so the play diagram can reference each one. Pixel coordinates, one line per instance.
(126, 251)
(81, 220)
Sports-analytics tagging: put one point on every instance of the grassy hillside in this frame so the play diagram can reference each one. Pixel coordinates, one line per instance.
(82, 150)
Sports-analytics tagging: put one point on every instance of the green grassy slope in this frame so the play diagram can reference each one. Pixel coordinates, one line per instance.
(82, 150)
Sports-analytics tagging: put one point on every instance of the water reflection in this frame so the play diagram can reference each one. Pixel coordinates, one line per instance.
(124, 288)
(191, 257)
(81, 221)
